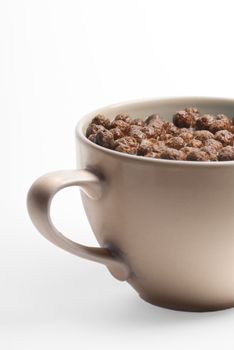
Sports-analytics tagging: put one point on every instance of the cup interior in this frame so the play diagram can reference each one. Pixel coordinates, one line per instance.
(166, 108)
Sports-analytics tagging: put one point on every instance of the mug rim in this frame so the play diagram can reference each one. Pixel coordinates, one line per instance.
(80, 133)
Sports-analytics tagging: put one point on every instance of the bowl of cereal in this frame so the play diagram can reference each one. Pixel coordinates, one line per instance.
(156, 179)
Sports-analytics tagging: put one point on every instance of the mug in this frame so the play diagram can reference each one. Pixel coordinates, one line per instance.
(164, 226)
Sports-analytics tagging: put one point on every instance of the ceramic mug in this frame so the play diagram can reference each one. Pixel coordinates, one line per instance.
(166, 227)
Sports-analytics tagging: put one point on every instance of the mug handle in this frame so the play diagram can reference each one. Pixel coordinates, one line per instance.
(39, 200)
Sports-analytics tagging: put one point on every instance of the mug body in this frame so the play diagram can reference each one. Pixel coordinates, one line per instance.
(172, 222)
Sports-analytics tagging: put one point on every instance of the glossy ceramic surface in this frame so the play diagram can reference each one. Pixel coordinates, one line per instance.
(167, 227)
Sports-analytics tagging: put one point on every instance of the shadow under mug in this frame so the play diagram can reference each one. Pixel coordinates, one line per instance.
(166, 227)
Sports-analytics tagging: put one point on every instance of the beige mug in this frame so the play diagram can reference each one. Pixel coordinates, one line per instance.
(166, 227)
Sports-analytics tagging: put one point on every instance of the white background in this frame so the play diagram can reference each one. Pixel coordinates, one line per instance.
(59, 60)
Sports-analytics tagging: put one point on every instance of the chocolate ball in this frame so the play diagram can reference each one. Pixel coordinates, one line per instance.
(135, 131)
(203, 135)
(126, 144)
(175, 142)
(225, 137)
(122, 125)
(186, 118)
(194, 143)
(149, 131)
(204, 122)
(211, 151)
(93, 129)
(100, 119)
(164, 136)
(226, 153)
(155, 121)
(187, 136)
(105, 139)
(92, 137)
(187, 149)
(170, 128)
(172, 154)
(222, 122)
(138, 122)
(146, 146)
(124, 117)
(117, 133)
(213, 143)
(197, 155)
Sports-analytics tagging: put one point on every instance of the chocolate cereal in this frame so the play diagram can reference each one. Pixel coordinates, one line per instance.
(191, 136)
